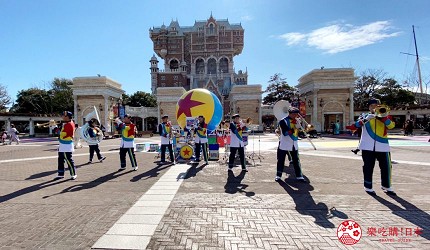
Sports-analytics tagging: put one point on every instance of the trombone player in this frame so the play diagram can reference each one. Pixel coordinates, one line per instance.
(288, 144)
(374, 146)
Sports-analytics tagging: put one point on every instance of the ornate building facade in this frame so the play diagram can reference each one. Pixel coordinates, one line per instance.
(201, 56)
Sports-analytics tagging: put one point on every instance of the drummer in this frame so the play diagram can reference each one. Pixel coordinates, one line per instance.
(201, 140)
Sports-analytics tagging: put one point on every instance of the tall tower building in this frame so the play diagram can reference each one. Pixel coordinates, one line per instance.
(198, 56)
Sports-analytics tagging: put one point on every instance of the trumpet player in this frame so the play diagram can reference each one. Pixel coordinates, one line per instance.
(374, 146)
(65, 149)
(127, 130)
(201, 139)
(93, 132)
(237, 127)
(288, 144)
(165, 131)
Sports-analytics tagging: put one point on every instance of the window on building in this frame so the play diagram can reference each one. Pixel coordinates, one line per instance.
(175, 77)
(200, 66)
(174, 64)
(223, 65)
(211, 28)
(163, 78)
(212, 66)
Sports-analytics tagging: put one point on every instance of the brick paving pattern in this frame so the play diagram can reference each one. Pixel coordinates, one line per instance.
(214, 209)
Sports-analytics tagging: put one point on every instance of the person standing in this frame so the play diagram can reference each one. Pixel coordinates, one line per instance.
(65, 149)
(374, 146)
(201, 139)
(94, 132)
(288, 144)
(165, 131)
(236, 142)
(13, 133)
(127, 131)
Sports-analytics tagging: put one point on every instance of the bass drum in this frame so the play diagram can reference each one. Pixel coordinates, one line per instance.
(186, 152)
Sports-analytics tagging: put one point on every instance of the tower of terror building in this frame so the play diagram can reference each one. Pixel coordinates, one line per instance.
(202, 56)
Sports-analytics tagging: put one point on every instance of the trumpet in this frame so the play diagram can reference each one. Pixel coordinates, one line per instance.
(382, 111)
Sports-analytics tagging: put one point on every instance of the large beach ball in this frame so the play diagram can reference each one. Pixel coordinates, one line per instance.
(197, 102)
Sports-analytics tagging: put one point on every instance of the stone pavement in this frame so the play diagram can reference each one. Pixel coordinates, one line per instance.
(214, 209)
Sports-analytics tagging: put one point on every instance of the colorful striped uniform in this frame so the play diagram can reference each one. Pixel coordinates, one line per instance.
(237, 144)
(374, 134)
(288, 144)
(201, 133)
(201, 141)
(374, 145)
(164, 129)
(127, 143)
(66, 148)
(289, 134)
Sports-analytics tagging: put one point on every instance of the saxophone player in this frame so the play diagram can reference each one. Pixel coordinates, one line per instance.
(165, 131)
(201, 140)
(236, 143)
(374, 146)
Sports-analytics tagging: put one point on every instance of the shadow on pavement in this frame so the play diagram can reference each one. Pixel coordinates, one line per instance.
(48, 173)
(410, 213)
(150, 173)
(91, 184)
(234, 185)
(305, 203)
(30, 189)
(193, 170)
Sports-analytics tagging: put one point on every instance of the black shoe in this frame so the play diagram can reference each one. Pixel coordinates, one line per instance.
(372, 193)
(102, 159)
(59, 177)
(121, 169)
(391, 193)
(355, 151)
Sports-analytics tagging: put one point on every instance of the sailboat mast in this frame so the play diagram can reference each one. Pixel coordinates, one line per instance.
(418, 63)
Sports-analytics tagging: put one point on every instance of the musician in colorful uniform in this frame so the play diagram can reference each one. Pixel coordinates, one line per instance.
(374, 146)
(236, 143)
(201, 139)
(127, 131)
(94, 132)
(66, 148)
(165, 131)
(288, 144)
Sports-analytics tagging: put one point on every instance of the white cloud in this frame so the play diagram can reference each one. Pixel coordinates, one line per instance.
(246, 18)
(342, 37)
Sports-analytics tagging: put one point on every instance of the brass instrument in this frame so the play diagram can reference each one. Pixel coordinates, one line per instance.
(382, 110)
(51, 123)
(83, 130)
(280, 110)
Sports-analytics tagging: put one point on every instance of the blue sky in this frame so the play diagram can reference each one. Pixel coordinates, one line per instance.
(43, 39)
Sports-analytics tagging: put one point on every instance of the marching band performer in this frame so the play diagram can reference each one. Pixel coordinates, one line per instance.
(236, 143)
(288, 144)
(127, 130)
(93, 132)
(374, 146)
(201, 139)
(165, 131)
(65, 149)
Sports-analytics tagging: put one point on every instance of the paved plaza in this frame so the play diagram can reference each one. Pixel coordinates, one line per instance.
(207, 207)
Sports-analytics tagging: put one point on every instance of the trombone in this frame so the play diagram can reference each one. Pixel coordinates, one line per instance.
(51, 123)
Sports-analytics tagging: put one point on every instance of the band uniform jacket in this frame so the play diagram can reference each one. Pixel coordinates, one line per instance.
(201, 133)
(127, 132)
(236, 130)
(66, 137)
(165, 129)
(374, 134)
(289, 134)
